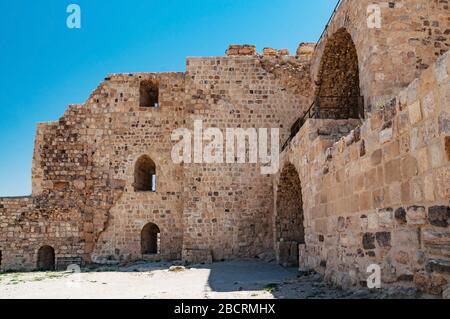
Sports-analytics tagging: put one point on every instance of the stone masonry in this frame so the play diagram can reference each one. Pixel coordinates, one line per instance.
(364, 175)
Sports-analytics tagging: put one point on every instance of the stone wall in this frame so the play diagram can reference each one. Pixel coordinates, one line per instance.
(380, 195)
(371, 192)
(227, 207)
(26, 229)
(84, 166)
(412, 34)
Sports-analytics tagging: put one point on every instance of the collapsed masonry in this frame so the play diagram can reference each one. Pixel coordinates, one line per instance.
(365, 168)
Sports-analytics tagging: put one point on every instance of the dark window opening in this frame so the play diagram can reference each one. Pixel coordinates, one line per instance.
(145, 175)
(149, 94)
(46, 258)
(150, 239)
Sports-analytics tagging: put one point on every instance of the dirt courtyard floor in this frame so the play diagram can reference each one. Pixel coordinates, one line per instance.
(251, 279)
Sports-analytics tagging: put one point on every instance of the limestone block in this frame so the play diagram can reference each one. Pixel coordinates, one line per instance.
(444, 123)
(409, 166)
(415, 113)
(429, 187)
(406, 239)
(284, 52)
(403, 123)
(428, 104)
(400, 216)
(439, 216)
(383, 239)
(402, 257)
(386, 135)
(442, 186)
(439, 240)
(392, 172)
(436, 153)
(415, 215)
(368, 241)
(244, 49)
(376, 157)
(305, 49)
(439, 266)
(417, 193)
(441, 68)
(385, 217)
(412, 92)
(422, 159)
(269, 52)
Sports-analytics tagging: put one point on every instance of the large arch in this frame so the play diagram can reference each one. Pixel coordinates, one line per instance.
(289, 218)
(46, 258)
(150, 239)
(145, 175)
(338, 93)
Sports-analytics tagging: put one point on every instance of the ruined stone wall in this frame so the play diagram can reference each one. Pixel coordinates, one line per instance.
(83, 165)
(84, 203)
(26, 229)
(380, 195)
(413, 34)
(136, 131)
(83, 170)
(227, 207)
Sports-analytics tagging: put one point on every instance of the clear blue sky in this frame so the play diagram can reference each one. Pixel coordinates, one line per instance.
(44, 66)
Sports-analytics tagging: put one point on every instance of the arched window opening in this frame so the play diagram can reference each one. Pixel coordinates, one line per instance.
(46, 258)
(145, 175)
(338, 93)
(148, 94)
(289, 221)
(150, 239)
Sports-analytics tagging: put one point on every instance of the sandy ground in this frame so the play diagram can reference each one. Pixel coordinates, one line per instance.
(251, 279)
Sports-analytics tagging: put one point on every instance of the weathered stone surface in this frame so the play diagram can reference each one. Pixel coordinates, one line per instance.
(269, 52)
(385, 217)
(284, 52)
(368, 241)
(386, 135)
(441, 70)
(437, 241)
(341, 166)
(383, 239)
(415, 113)
(444, 123)
(244, 49)
(439, 216)
(400, 215)
(376, 157)
(438, 265)
(305, 49)
(415, 215)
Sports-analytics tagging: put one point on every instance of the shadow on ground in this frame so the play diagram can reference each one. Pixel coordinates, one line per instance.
(247, 275)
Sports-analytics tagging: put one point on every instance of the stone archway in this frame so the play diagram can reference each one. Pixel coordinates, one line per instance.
(289, 220)
(150, 239)
(46, 258)
(338, 93)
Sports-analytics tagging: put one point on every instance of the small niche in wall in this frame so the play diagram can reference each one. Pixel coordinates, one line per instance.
(149, 94)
